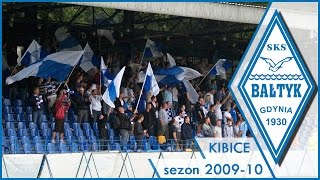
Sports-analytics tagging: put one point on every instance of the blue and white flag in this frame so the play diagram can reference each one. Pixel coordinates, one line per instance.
(191, 91)
(220, 68)
(106, 77)
(33, 54)
(113, 90)
(66, 41)
(151, 51)
(57, 65)
(150, 83)
(89, 60)
(176, 74)
(171, 61)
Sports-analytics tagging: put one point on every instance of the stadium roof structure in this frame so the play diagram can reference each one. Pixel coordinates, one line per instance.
(184, 29)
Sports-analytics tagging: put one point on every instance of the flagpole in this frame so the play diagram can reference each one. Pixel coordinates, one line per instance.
(145, 77)
(14, 69)
(100, 77)
(207, 74)
(65, 82)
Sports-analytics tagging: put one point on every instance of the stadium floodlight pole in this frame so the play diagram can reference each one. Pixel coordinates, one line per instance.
(145, 77)
(206, 75)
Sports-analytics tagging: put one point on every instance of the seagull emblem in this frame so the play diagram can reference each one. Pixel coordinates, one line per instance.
(273, 66)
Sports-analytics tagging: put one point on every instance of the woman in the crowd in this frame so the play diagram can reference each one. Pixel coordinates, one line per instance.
(61, 106)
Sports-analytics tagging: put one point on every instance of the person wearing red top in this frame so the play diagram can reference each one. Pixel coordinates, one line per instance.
(62, 105)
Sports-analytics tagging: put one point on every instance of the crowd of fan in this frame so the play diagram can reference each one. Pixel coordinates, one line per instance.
(169, 115)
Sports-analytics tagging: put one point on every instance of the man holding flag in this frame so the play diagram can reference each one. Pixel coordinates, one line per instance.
(149, 88)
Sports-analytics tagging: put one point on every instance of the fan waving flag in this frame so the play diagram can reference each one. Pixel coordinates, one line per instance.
(106, 77)
(89, 60)
(113, 90)
(57, 65)
(150, 83)
(33, 54)
(151, 51)
(175, 74)
(220, 68)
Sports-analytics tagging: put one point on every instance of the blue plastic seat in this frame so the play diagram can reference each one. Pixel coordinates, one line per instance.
(29, 110)
(95, 147)
(111, 132)
(8, 117)
(27, 148)
(15, 149)
(23, 132)
(146, 146)
(69, 139)
(12, 132)
(9, 125)
(68, 132)
(63, 148)
(89, 133)
(51, 148)
(46, 132)
(20, 118)
(25, 139)
(93, 139)
(44, 125)
(17, 103)
(34, 132)
(86, 126)
(7, 102)
(29, 118)
(39, 148)
(13, 140)
(22, 125)
(33, 125)
(37, 139)
(66, 125)
(18, 110)
(84, 147)
(75, 126)
(74, 147)
(81, 139)
(79, 132)
(44, 118)
(95, 129)
(7, 110)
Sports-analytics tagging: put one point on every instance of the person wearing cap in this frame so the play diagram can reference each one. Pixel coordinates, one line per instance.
(95, 105)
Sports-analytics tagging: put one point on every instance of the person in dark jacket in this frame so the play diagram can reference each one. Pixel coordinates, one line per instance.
(187, 103)
(125, 126)
(82, 101)
(186, 133)
(149, 120)
(119, 102)
(36, 101)
(139, 133)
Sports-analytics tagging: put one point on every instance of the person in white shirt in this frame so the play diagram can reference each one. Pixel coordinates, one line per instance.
(218, 106)
(175, 94)
(211, 94)
(227, 116)
(179, 119)
(167, 95)
(95, 105)
(129, 94)
(217, 131)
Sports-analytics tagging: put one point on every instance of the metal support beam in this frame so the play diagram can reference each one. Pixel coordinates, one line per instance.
(77, 15)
